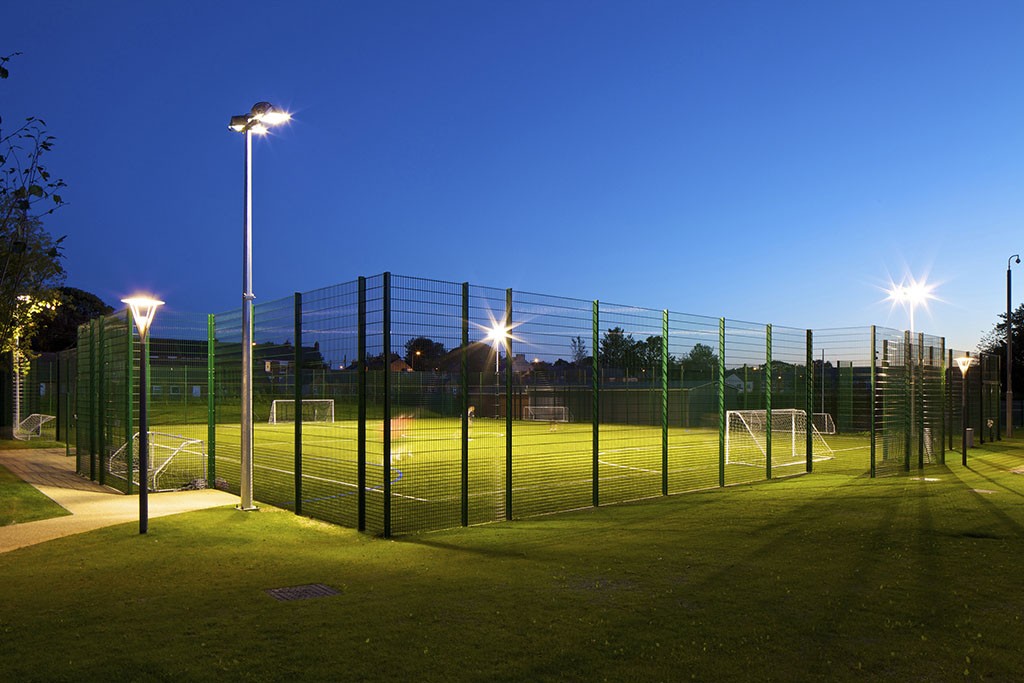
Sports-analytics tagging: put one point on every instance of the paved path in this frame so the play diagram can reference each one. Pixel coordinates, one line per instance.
(91, 506)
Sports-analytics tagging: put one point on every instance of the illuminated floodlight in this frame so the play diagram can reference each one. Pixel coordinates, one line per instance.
(910, 294)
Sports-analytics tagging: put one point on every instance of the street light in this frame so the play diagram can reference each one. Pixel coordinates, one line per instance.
(143, 310)
(262, 115)
(964, 363)
(1009, 351)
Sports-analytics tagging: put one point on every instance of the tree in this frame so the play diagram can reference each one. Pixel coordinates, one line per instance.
(422, 353)
(30, 265)
(579, 350)
(618, 350)
(59, 329)
(994, 341)
(701, 362)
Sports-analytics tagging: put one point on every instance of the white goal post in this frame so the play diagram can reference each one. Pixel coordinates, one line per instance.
(824, 423)
(175, 462)
(546, 413)
(746, 438)
(282, 410)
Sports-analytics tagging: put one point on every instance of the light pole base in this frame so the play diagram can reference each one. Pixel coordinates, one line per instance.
(254, 508)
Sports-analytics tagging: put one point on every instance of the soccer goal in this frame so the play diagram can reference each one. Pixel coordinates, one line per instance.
(746, 438)
(32, 426)
(175, 462)
(546, 413)
(824, 423)
(313, 410)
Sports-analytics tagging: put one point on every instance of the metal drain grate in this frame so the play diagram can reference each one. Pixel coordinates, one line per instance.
(312, 590)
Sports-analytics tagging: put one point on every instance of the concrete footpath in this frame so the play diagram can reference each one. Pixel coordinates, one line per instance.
(91, 506)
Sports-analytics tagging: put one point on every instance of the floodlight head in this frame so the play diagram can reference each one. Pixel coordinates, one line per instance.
(497, 334)
(143, 311)
(262, 115)
(1015, 258)
(964, 363)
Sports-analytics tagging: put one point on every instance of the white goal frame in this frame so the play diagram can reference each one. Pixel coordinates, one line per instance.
(746, 440)
(824, 423)
(188, 455)
(323, 410)
(546, 413)
(32, 426)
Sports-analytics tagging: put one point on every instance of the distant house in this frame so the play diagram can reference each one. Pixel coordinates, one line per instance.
(735, 382)
(399, 365)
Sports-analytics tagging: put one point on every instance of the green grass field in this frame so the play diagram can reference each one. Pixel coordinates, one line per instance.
(552, 467)
(21, 502)
(832, 576)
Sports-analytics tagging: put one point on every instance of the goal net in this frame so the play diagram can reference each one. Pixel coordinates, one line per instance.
(824, 423)
(175, 462)
(746, 438)
(546, 413)
(313, 410)
(32, 426)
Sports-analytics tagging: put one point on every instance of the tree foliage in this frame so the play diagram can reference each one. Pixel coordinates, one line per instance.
(30, 260)
(422, 353)
(994, 341)
(58, 330)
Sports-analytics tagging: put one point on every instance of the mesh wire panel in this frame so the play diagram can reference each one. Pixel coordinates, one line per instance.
(892, 402)
(487, 364)
(931, 400)
(630, 361)
(178, 392)
(552, 404)
(842, 398)
(330, 371)
(116, 354)
(746, 383)
(227, 354)
(692, 402)
(85, 403)
(273, 378)
(68, 399)
(376, 368)
(426, 400)
(789, 380)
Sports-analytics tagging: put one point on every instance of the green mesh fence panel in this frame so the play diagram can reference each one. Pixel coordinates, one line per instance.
(747, 378)
(789, 392)
(893, 427)
(692, 402)
(376, 368)
(426, 416)
(330, 373)
(630, 437)
(67, 430)
(273, 393)
(930, 400)
(227, 399)
(84, 402)
(842, 396)
(488, 446)
(551, 404)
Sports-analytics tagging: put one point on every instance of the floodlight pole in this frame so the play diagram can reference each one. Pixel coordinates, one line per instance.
(245, 483)
(964, 363)
(261, 115)
(1009, 350)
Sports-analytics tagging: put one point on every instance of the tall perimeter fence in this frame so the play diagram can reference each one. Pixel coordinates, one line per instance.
(390, 404)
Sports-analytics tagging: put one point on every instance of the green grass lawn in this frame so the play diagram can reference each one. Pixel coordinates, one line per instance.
(831, 576)
(21, 502)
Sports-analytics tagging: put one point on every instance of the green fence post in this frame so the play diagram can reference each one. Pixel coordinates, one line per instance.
(211, 403)
(874, 397)
(508, 405)
(386, 325)
(93, 401)
(770, 376)
(919, 383)
(721, 401)
(361, 419)
(809, 400)
(943, 389)
(67, 404)
(101, 464)
(129, 419)
(908, 406)
(664, 402)
(595, 417)
(298, 402)
(464, 386)
(949, 398)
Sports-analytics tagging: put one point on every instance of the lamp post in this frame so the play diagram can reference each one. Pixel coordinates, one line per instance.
(262, 115)
(143, 310)
(964, 363)
(1009, 351)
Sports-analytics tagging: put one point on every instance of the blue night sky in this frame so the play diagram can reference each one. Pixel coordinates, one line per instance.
(766, 161)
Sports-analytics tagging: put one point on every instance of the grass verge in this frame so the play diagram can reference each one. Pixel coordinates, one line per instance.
(21, 502)
(822, 577)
